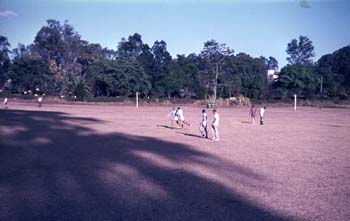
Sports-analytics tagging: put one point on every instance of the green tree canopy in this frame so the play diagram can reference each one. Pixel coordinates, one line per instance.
(30, 73)
(300, 52)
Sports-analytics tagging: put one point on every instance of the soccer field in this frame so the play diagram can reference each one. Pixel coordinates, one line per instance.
(105, 162)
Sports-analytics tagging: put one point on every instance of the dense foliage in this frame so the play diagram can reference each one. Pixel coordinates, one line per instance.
(59, 62)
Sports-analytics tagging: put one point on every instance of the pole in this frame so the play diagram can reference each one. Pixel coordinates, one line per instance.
(295, 102)
(321, 88)
(137, 100)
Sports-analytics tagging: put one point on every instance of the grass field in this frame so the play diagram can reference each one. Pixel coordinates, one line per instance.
(105, 162)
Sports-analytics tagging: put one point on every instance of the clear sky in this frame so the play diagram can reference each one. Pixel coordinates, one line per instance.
(256, 27)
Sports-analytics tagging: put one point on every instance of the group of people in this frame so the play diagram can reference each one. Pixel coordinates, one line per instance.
(252, 114)
(177, 115)
(214, 125)
(39, 100)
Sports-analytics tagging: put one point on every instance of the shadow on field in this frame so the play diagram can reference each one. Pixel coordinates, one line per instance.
(331, 125)
(52, 169)
(168, 127)
(190, 135)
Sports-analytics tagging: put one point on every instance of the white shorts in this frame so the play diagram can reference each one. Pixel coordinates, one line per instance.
(182, 118)
(204, 123)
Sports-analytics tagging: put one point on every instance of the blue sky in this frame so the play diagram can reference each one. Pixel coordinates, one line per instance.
(255, 27)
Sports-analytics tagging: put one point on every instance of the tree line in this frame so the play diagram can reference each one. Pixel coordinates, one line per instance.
(60, 63)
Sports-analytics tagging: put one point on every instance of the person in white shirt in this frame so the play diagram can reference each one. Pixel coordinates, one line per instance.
(173, 116)
(262, 112)
(203, 124)
(215, 125)
(40, 100)
(181, 118)
(5, 102)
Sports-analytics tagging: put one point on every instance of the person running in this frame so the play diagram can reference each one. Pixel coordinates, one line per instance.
(173, 116)
(252, 114)
(5, 102)
(262, 112)
(181, 118)
(215, 125)
(203, 124)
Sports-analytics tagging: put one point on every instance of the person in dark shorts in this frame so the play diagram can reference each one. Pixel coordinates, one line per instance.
(203, 124)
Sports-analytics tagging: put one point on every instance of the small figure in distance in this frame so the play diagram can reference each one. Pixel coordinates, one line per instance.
(215, 125)
(5, 103)
(252, 114)
(40, 101)
(262, 112)
(203, 124)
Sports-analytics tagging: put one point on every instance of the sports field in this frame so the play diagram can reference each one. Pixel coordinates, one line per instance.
(105, 162)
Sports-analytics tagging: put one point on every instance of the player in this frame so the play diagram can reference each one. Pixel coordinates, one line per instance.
(5, 102)
(262, 112)
(203, 124)
(252, 114)
(173, 116)
(181, 119)
(215, 125)
(40, 100)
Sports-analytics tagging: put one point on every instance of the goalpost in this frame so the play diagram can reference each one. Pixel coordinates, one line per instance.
(295, 102)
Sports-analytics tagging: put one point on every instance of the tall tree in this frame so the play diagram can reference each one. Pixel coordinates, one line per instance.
(4, 58)
(335, 71)
(300, 52)
(117, 77)
(59, 45)
(130, 48)
(272, 63)
(161, 78)
(30, 73)
(214, 54)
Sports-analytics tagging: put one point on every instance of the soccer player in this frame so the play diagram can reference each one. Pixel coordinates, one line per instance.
(173, 116)
(252, 114)
(215, 125)
(5, 102)
(203, 124)
(262, 112)
(40, 100)
(181, 118)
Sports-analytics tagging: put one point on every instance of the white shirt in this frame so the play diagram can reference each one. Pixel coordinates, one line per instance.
(262, 111)
(204, 117)
(180, 114)
(172, 114)
(216, 119)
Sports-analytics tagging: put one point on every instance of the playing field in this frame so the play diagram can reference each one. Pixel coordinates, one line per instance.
(105, 162)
